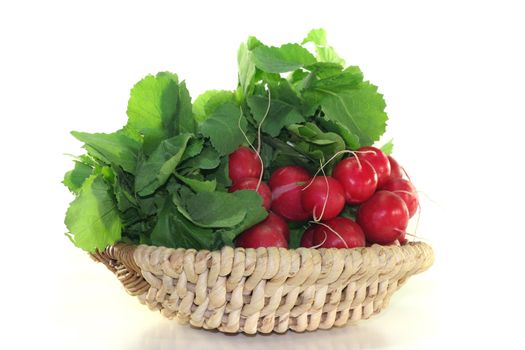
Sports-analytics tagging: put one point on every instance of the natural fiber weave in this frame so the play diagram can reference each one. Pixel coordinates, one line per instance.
(266, 289)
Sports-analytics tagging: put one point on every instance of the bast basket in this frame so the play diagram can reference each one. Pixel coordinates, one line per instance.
(265, 289)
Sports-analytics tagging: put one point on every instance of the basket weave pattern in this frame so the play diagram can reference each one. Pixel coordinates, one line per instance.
(266, 289)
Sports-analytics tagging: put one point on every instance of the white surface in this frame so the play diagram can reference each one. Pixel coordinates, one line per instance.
(452, 74)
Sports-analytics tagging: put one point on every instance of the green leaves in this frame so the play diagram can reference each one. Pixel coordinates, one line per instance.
(76, 177)
(116, 148)
(163, 178)
(223, 128)
(92, 218)
(279, 115)
(315, 143)
(207, 159)
(198, 185)
(282, 59)
(174, 230)
(388, 147)
(246, 69)
(159, 108)
(360, 110)
(325, 53)
(155, 171)
(222, 209)
(209, 101)
(255, 213)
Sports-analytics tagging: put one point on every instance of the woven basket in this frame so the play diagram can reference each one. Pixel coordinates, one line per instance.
(265, 289)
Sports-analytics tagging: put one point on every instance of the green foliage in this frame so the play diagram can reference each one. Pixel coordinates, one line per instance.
(163, 178)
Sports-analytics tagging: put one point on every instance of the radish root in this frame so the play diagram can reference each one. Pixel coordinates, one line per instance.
(320, 244)
(331, 229)
(325, 203)
(259, 143)
(354, 153)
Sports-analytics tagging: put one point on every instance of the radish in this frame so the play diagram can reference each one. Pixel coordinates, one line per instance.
(286, 184)
(307, 240)
(261, 235)
(250, 183)
(358, 178)
(404, 189)
(378, 160)
(278, 224)
(287, 175)
(244, 162)
(396, 171)
(339, 232)
(383, 218)
(323, 198)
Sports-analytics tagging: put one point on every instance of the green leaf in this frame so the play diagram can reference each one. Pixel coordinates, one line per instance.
(280, 114)
(296, 233)
(316, 143)
(198, 185)
(183, 120)
(322, 70)
(74, 179)
(152, 108)
(155, 171)
(316, 36)
(360, 110)
(215, 209)
(222, 127)
(255, 213)
(209, 101)
(350, 78)
(221, 173)
(246, 69)
(388, 147)
(325, 53)
(193, 148)
(92, 218)
(207, 159)
(123, 190)
(282, 59)
(173, 230)
(350, 212)
(338, 128)
(329, 77)
(116, 148)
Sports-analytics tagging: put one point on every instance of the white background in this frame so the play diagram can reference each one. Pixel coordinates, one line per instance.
(453, 77)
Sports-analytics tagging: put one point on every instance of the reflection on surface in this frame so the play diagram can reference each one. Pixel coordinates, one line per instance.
(170, 335)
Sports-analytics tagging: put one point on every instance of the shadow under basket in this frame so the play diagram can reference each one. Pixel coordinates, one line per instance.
(265, 289)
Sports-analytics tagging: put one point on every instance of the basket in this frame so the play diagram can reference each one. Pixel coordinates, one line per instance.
(265, 289)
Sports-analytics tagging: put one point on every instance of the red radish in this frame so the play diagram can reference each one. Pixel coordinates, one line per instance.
(287, 175)
(378, 160)
(250, 183)
(358, 178)
(244, 162)
(395, 169)
(307, 241)
(383, 218)
(278, 224)
(286, 184)
(404, 189)
(323, 198)
(349, 234)
(261, 235)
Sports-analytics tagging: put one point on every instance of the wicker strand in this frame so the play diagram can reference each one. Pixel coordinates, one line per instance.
(265, 289)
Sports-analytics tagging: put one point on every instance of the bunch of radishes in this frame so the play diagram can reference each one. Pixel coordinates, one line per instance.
(368, 180)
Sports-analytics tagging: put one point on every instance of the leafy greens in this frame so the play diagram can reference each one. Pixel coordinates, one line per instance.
(163, 178)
